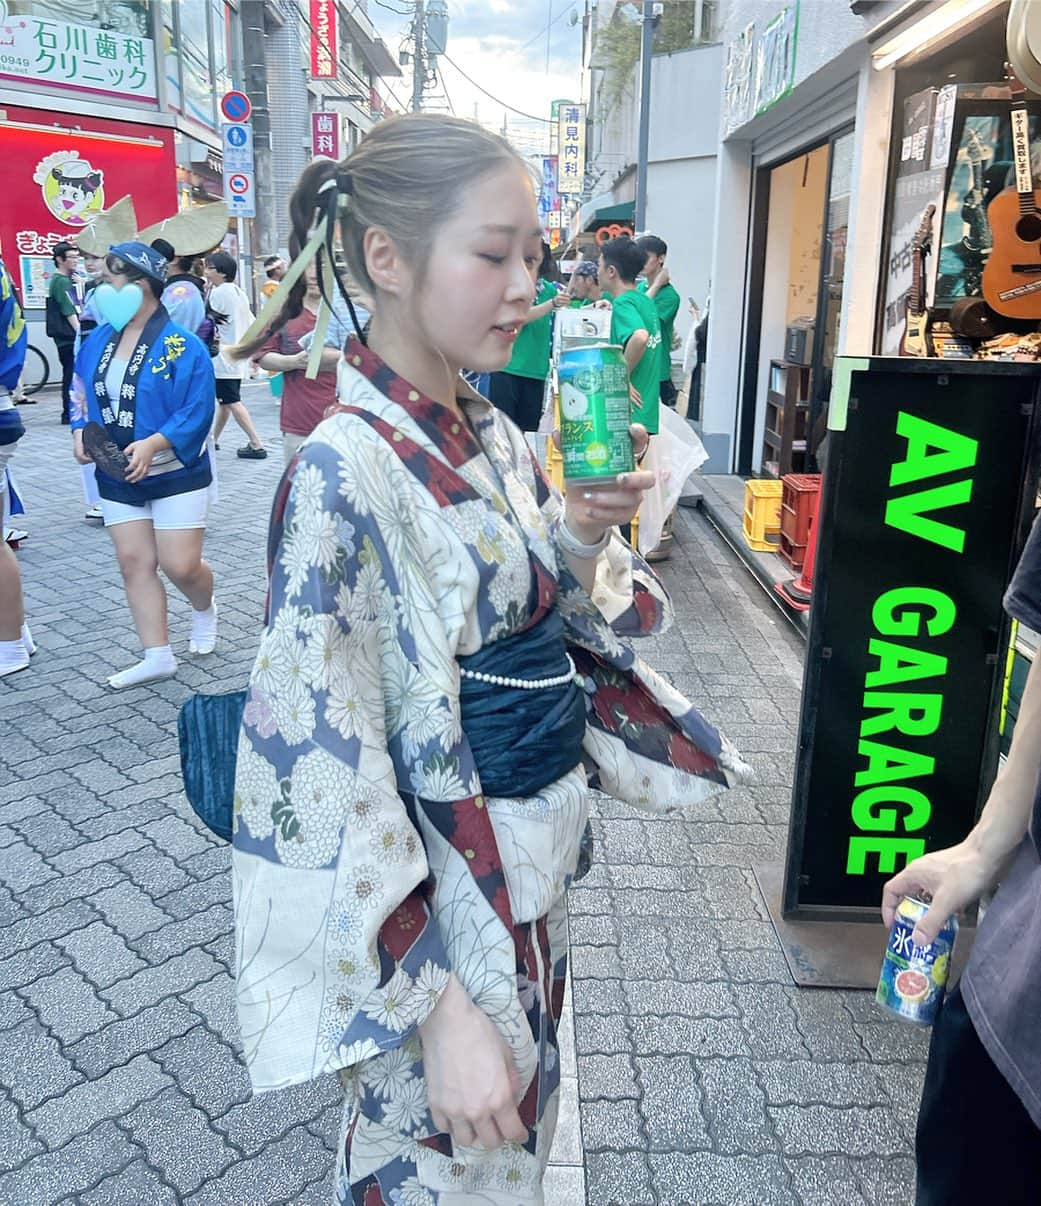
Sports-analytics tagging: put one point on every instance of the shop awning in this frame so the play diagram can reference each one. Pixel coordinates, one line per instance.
(623, 212)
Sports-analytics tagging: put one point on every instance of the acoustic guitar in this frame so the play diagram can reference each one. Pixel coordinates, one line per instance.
(916, 340)
(1012, 275)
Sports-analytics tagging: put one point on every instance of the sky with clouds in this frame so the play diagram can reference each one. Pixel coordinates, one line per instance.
(501, 45)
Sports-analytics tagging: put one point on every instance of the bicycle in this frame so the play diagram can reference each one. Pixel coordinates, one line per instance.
(34, 375)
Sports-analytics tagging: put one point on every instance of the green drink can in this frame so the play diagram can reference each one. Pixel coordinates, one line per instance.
(595, 413)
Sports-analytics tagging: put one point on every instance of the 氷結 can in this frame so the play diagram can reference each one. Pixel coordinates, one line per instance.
(914, 978)
(595, 413)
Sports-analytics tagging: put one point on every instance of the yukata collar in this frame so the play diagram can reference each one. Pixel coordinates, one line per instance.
(455, 439)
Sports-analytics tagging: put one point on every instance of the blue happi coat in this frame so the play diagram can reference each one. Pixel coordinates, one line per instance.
(174, 396)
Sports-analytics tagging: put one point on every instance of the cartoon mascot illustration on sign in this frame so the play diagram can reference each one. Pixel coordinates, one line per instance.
(73, 189)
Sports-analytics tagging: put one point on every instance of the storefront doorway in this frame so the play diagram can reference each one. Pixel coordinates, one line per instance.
(800, 220)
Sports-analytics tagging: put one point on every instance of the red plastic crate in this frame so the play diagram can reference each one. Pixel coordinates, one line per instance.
(799, 497)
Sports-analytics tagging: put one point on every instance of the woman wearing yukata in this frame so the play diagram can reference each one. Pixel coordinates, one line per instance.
(445, 650)
(143, 405)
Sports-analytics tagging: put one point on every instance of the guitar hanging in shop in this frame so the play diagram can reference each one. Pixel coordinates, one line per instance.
(977, 242)
(916, 340)
(1012, 275)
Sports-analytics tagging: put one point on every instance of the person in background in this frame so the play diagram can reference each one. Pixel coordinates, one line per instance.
(979, 1123)
(584, 287)
(278, 350)
(184, 297)
(63, 314)
(142, 408)
(16, 641)
(274, 270)
(519, 389)
(656, 285)
(634, 326)
(229, 307)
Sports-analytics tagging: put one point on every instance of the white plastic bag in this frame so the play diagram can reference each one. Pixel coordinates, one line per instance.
(674, 454)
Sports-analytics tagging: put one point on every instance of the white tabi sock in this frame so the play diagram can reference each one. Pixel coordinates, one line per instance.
(158, 662)
(27, 640)
(203, 637)
(13, 656)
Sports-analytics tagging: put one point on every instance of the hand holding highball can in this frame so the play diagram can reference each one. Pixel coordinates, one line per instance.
(914, 978)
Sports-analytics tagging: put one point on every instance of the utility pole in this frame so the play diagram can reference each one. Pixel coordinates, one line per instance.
(646, 50)
(254, 77)
(419, 58)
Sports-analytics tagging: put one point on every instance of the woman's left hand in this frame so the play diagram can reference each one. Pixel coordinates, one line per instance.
(140, 454)
(591, 510)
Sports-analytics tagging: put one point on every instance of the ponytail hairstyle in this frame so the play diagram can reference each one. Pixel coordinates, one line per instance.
(407, 176)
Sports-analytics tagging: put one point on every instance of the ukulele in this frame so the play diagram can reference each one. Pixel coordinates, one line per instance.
(1012, 275)
(916, 340)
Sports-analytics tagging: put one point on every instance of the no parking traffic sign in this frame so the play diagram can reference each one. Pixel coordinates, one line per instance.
(235, 106)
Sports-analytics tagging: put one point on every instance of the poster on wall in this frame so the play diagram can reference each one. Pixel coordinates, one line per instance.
(918, 185)
(58, 179)
(36, 272)
(775, 60)
(977, 174)
(740, 71)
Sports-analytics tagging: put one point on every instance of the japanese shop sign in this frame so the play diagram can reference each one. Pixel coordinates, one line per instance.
(571, 156)
(39, 50)
(324, 53)
(549, 198)
(59, 179)
(930, 486)
(325, 134)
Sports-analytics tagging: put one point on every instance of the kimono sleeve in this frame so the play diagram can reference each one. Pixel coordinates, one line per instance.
(195, 397)
(339, 956)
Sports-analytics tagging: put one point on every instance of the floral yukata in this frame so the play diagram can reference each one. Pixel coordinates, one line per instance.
(367, 861)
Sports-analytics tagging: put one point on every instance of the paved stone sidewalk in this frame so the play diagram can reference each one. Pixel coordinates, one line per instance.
(704, 1075)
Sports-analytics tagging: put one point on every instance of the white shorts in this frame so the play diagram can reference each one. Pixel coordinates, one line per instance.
(177, 512)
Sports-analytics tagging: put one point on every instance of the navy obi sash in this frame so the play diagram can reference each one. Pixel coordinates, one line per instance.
(522, 740)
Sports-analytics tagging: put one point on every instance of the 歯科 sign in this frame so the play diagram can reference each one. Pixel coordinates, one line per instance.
(571, 149)
(325, 134)
(929, 489)
(324, 30)
(81, 57)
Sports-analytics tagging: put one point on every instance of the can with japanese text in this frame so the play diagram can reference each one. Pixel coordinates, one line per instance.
(595, 413)
(914, 978)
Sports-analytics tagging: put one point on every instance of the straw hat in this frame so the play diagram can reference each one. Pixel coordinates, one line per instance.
(117, 224)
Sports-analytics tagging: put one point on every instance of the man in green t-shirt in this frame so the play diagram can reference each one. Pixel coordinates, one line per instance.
(657, 286)
(63, 315)
(634, 325)
(518, 389)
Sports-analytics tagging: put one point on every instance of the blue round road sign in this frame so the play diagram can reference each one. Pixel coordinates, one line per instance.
(237, 136)
(236, 106)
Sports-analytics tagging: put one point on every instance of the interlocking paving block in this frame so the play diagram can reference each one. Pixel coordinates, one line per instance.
(903, 1088)
(154, 872)
(17, 1143)
(135, 1185)
(609, 1076)
(29, 931)
(672, 1103)
(179, 1140)
(91, 1101)
(197, 896)
(295, 1161)
(701, 1037)
(129, 910)
(76, 1167)
(22, 868)
(205, 1069)
(611, 1125)
(796, 1081)
(825, 1181)
(891, 1040)
(595, 962)
(100, 954)
(14, 1011)
(33, 1065)
(601, 1033)
(735, 1106)
(255, 1123)
(177, 937)
(68, 1005)
(886, 1181)
(710, 1179)
(87, 854)
(65, 888)
(214, 1002)
(29, 965)
(757, 967)
(597, 996)
(825, 1025)
(619, 1179)
(118, 1042)
(698, 1000)
(855, 1130)
(769, 1022)
(151, 985)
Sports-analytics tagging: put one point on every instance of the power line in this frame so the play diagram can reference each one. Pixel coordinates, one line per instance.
(520, 112)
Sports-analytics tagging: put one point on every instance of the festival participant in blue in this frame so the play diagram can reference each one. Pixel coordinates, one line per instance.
(16, 642)
(143, 404)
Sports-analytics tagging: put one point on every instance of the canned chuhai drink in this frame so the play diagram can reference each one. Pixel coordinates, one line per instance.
(595, 413)
(914, 978)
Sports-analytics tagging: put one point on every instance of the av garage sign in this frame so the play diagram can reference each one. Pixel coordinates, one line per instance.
(930, 490)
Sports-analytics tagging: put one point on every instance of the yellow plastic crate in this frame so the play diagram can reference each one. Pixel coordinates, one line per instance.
(761, 526)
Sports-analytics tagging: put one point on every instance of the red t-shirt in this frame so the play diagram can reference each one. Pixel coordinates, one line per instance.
(304, 402)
